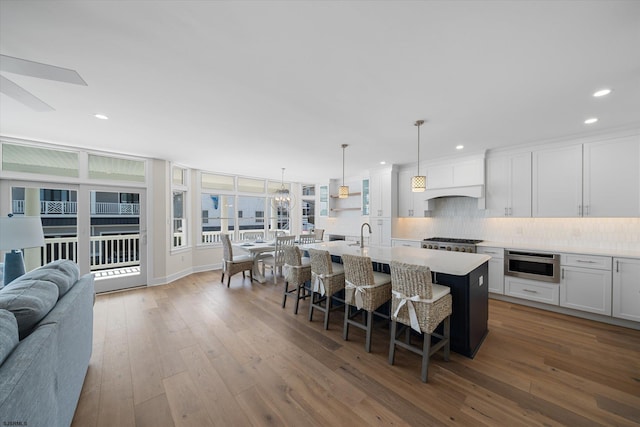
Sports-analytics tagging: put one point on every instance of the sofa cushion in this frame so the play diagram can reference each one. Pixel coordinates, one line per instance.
(8, 334)
(63, 273)
(29, 300)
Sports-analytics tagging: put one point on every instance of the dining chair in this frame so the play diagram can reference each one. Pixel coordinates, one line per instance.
(306, 239)
(365, 289)
(297, 272)
(275, 260)
(234, 264)
(319, 232)
(327, 278)
(421, 305)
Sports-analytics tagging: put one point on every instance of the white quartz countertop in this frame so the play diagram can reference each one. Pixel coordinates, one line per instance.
(563, 249)
(454, 263)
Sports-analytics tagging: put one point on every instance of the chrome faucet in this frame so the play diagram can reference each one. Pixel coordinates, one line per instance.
(362, 233)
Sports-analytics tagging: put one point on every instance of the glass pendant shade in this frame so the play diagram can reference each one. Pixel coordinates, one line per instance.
(418, 183)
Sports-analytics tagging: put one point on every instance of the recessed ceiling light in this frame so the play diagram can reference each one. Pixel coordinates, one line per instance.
(591, 121)
(459, 147)
(602, 92)
(383, 162)
(101, 116)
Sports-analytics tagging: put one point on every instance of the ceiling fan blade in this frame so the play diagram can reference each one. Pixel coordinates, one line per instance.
(41, 71)
(11, 89)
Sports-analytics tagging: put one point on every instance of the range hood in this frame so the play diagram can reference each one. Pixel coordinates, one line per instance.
(475, 191)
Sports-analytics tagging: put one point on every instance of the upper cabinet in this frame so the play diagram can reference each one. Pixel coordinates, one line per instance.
(597, 179)
(612, 178)
(508, 185)
(382, 193)
(410, 204)
(557, 182)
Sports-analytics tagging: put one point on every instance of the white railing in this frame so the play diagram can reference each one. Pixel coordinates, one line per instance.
(106, 251)
(214, 236)
(71, 208)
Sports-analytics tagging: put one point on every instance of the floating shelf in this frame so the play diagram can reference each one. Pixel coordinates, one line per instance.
(335, 196)
(345, 209)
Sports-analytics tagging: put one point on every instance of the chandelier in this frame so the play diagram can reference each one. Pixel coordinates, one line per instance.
(282, 195)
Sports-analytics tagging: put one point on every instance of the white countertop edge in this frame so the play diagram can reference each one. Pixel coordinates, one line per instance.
(562, 249)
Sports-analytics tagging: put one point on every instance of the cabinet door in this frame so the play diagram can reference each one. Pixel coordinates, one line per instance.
(496, 268)
(380, 185)
(380, 232)
(586, 289)
(520, 189)
(626, 288)
(498, 186)
(405, 195)
(612, 178)
(557, 182)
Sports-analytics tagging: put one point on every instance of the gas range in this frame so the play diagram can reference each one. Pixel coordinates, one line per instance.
(447, 244)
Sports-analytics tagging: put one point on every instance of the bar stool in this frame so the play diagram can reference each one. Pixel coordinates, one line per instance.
(421, 305)
(365, 289)
(297, 271)
(327, 278)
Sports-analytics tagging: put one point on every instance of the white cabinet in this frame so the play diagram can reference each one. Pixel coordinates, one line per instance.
(626, 288)
(381, 196)
(508, 186)
(380, 232)
(557, 182)
(462, 173)
(597, 179)
(410, 204)
(585, 283)
(612, 178)
(496, 268)
(548, 293)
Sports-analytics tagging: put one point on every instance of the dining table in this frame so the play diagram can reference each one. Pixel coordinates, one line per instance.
(255, 250)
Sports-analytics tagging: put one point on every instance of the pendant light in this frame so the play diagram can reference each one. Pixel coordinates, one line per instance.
(343, 191)
(418, 182)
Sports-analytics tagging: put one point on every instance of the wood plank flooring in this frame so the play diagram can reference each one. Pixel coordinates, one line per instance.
(196, 353)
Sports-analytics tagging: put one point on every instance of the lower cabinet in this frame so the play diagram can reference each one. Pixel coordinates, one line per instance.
(548, 293)
(626, 288)
(380, 232)
(586, 289)
(496, 268)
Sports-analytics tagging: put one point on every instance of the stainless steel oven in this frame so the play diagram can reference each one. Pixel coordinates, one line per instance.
(532, 265)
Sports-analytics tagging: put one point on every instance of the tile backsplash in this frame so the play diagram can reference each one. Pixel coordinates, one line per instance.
(459, 217)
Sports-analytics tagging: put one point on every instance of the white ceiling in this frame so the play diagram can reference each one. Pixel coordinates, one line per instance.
(249, 87)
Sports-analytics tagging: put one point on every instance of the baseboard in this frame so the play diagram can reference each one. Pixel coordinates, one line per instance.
(159, 281)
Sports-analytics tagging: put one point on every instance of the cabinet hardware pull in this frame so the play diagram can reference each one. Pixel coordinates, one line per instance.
(530, 291)
(510, 211)
(586, 262)
(579, 210)
(617, 266)
(505, 212)
(562, 274)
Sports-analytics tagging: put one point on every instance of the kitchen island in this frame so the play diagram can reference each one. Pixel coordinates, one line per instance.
(465, 273)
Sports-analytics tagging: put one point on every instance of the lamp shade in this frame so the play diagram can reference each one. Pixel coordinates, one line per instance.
(20, 232)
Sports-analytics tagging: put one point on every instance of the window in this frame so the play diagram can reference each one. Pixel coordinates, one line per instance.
(116, 169)
(22, 158)
(217, 182)
(250, 185)
(239, 214)
(217, 216)
(308, 207)
(179, 214)
(252, 220)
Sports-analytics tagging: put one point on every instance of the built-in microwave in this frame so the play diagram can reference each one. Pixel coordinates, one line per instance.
(532, 265)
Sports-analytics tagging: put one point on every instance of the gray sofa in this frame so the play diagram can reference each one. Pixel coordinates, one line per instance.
(46, 333)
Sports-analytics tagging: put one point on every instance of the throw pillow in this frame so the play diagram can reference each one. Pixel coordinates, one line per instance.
(63, 273)
(29, 301)
(8, 334)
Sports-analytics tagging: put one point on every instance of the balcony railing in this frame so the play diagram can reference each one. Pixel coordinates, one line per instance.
(106, 252)
(71, 208)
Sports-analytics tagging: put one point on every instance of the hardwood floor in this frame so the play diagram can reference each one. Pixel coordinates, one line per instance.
(196, 353)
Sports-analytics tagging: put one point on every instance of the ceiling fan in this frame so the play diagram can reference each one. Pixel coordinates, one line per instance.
(33, 69)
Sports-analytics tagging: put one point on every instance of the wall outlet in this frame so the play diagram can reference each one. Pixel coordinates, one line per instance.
(481, 280)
